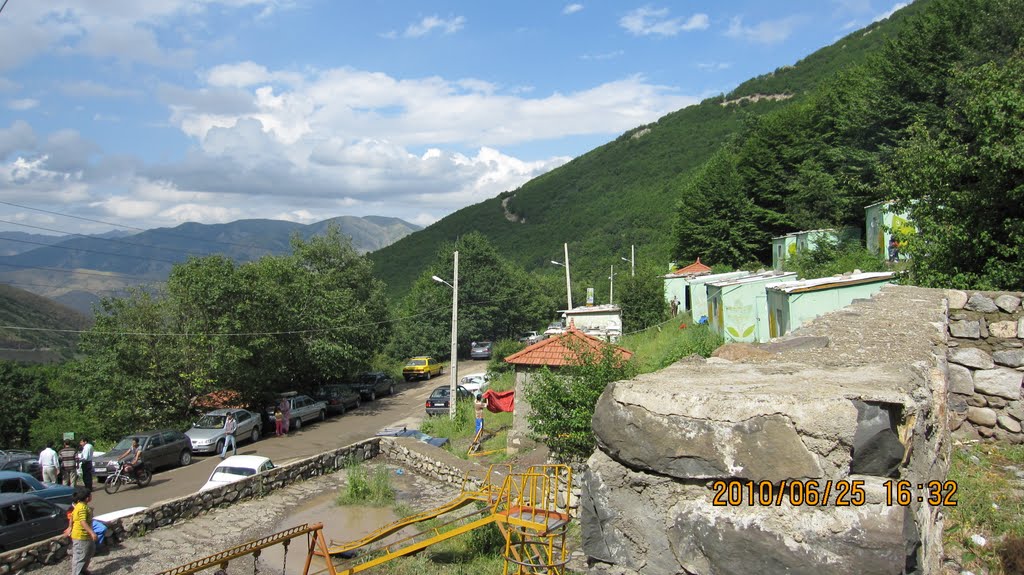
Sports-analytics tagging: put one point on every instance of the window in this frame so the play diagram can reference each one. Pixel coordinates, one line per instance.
(242, 416)
(9, 515)
(13, 485)
(36, 509)
(170, 437)
(154, 441)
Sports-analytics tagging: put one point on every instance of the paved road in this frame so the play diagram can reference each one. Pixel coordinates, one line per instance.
(404, 408)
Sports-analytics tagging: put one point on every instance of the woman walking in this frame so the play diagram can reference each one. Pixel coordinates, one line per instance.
(83, 538)
(278, 422)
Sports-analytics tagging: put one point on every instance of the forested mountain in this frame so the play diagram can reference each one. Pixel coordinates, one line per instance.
(625, 192)
(25, 309)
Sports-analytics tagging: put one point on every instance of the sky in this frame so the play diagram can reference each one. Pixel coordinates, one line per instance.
(158, 112)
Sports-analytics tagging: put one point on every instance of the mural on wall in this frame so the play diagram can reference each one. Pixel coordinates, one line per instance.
(742, 321)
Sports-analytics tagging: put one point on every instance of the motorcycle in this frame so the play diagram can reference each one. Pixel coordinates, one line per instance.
(140, 476)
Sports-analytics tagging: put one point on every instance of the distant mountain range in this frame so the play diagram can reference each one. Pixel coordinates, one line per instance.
(105, 264)
(21, 308)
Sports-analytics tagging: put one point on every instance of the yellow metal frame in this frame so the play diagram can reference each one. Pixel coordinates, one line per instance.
(481, 436)
(314, 537)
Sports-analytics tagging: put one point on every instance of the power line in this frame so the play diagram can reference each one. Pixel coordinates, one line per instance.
(3, 5)
(125, 226)
(87, 236)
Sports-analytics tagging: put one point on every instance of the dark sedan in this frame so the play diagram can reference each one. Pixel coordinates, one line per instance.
(17, 482)
(437, 403)
(480, 350)
(26, 519)
(338, 398)
(23, 461)
(373, 384)
(161, 448)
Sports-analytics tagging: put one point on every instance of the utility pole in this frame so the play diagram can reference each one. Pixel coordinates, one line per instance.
(611, 286)
(568, 284)
(452, 393)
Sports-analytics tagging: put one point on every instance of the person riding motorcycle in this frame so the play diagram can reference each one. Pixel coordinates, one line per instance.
(134, 456)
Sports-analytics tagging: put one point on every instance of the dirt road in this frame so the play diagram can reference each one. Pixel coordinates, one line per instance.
(404, 408)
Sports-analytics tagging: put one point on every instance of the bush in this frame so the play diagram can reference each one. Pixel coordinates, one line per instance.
(365, 488)
(830, 257)
(502, 349)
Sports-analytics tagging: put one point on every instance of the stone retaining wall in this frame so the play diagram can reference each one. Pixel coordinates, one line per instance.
(168, 512)
(986, 365)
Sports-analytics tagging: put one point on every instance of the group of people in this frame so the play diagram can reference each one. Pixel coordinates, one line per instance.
(63, 466)
(282, 417)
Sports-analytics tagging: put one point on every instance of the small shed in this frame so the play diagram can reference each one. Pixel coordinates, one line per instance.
(739, 307)
(677, 281)
(554, 353)
(784, 247)
(880, 221)
(697, 292)
(791, 304)
(603, 321)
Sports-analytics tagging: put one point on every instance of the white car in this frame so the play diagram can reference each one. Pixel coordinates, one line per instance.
(476, 382)
(237, 468)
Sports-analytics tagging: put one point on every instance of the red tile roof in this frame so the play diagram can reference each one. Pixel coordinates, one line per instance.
(694, 268)
(561, 349)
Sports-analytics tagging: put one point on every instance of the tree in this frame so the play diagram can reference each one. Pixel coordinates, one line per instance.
(563, 401)
(642, 299)
(496, 300)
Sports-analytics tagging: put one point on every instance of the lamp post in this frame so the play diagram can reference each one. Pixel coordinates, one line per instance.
(453, 387)
(568, 284)
(631, 260)
(611, 286)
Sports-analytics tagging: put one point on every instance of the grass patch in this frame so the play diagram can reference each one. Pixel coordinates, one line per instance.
(661, 346)
(366, 487)
(990, 503)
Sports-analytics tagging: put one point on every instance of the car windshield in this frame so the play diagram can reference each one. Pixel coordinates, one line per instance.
(483, 344)
(440, 394)
(415, 362)
(126, 444)
(328, 392)
(210, 421)
(229, 470)
(367, 378)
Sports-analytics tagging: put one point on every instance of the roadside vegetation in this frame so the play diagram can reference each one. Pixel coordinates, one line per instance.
(984, 532)
(366, 486)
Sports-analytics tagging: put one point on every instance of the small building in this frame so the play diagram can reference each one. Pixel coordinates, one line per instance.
(553, 353)
(791, 304)
(677, 281)
(739, 308)
(785, 247)
(603, 321)
(880, 221)
(696, 301)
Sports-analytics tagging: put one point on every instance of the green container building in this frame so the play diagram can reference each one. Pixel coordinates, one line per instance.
(697, 292)
(880, 223)
(738, 308)
(793, 303)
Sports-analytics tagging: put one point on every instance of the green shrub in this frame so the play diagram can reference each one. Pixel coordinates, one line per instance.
(444, 426)
(502, 349)
(830, 257)
(365, 488)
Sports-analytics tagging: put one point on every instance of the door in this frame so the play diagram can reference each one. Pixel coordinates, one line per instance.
(42, 518)
(155, 454)
(12, 532)
(245, 422)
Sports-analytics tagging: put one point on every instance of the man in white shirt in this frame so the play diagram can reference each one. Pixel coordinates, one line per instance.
(85, 458)
(49, 463)
(230, 427)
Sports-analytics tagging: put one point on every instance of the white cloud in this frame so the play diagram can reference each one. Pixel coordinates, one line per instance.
(91, 89)
(765, 32)
(647, 21)
(245, 74)
(428, 24)
(713, 66)
(890, 11)
(603, 56)
(572, 8)
(22, 104)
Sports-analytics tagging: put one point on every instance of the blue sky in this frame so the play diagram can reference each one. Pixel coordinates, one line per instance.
(152, 113)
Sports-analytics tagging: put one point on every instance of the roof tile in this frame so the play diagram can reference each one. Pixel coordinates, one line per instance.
(559, 350)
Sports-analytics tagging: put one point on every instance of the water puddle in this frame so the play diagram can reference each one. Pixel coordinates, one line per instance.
(341, 523)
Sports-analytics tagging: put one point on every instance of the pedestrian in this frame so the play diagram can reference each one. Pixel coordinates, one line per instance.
(278, 421)
(674, 306)
(286, 412)
(230, 426)
(894, 250)
(479, 406)
(68, 463)
(49, 463)
(85, 457)
(83, 538)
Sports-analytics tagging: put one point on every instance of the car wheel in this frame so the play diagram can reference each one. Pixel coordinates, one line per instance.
(220, 447)
(428, 376)
(254, 435)
(373, 396)
(341, 409)
(391, 390)
(185, 458)
(323, 415)
(297, 424)
(358, 402)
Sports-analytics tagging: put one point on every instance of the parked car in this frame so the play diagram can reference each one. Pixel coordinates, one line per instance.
(530, 337)
(338, 398)
(17, 482)
(207, 433)
(415, 434)
(160, 448)
(237, 468)
(373, 384)
(476, 382)
(304, 409)
(437, 403)
(26, 519)
(480, 350)
(23, 461)
(421, 367)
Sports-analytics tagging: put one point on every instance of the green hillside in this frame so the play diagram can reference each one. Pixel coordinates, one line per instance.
(25, 309)
(624, 192)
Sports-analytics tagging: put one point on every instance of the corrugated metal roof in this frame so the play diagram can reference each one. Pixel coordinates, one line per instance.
(830, 282)
(755, 278)
(562, 350)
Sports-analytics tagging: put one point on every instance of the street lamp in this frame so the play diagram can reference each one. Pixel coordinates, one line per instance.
(611, 285)
(632, 260)
(452, 395)
(568, 284)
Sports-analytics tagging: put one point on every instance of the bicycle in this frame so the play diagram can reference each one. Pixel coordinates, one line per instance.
(141, 476)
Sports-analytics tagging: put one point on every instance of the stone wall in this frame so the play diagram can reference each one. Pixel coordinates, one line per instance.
(854, 396)
(168, 512)
(986, 365)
